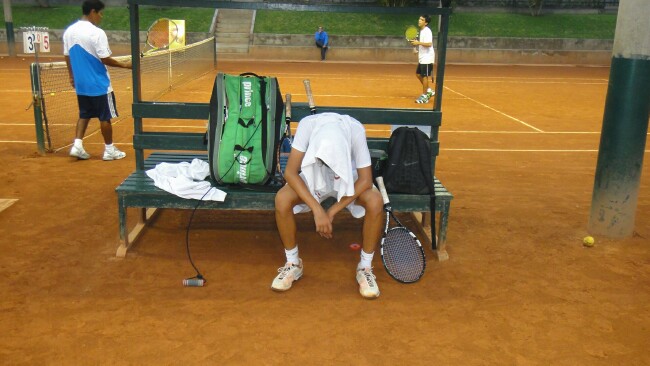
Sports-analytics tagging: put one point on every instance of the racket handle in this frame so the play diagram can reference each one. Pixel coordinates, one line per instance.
(194, 282)
(382, 190)
(287, 108)
(310, 96)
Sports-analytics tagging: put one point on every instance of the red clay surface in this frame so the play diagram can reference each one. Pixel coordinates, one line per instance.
(518, 151)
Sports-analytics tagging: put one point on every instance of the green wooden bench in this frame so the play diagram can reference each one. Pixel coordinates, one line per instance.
(138, 190)
(153, 147)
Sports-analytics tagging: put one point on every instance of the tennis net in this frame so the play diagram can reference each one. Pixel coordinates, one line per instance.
(161, 71)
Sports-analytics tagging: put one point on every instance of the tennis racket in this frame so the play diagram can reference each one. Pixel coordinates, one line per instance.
(411, 33)
(285, 145)
(310, 96)
(401, 252)
(160, 35)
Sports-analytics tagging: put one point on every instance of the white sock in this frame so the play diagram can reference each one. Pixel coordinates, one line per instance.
(292, 255)
(366, 260)
(110, 147)
(79, 143)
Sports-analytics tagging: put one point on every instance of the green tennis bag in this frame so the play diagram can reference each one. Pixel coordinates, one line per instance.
(245, 128)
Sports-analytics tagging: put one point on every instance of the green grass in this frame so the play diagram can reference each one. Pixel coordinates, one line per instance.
(591, 26)
(115, 18)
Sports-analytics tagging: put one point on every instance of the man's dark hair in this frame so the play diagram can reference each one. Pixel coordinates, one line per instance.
(90, 5)
(427, 18)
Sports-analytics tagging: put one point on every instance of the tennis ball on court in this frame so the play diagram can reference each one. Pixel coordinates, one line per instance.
(128, 88)
(52, 93)
(588, 241)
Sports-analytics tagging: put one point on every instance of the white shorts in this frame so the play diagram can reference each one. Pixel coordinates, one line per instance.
(356, 210)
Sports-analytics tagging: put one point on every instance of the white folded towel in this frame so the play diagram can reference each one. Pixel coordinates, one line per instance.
(186, 180)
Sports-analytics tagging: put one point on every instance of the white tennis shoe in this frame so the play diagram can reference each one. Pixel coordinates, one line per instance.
(79, 153)
(287, 274)
(368, 287)
(113, 154)
(423, 99)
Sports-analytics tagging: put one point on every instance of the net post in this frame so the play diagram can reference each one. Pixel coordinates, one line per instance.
(38, 114)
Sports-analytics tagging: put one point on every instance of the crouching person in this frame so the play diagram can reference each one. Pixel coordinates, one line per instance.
(329, 158)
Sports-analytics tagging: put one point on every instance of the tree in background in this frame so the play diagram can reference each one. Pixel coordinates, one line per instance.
(535, 7)
(397, 3)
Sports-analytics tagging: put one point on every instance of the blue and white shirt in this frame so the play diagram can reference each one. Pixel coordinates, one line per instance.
(86, 44)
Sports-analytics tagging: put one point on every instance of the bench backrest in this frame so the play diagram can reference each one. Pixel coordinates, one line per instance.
(158, 140)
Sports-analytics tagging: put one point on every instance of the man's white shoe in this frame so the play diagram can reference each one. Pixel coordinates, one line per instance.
(79, 153)
(287, 274)
(368, 287)
(113, 154)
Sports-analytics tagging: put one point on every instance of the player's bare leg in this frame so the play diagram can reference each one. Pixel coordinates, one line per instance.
(373, 223)
(285, 199)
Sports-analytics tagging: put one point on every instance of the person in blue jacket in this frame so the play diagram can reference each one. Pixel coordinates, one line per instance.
(322, 42)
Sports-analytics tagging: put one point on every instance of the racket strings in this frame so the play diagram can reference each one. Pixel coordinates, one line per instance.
(411, 33)
(402, 255)
(159, 34)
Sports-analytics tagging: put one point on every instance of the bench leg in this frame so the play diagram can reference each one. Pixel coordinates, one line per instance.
(128, 239)
(424, 227)
(441, 250)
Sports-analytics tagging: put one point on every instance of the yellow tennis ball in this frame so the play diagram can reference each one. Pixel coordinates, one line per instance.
(52, 93)
(588, 241)
(128, 88)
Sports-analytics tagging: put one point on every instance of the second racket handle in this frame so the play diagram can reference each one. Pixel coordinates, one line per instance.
(287, 107)
(382, 189)
(310, 96)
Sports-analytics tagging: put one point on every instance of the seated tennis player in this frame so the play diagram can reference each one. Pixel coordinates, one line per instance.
(329, 158)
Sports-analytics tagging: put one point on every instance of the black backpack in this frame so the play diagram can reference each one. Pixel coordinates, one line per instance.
(408, 167)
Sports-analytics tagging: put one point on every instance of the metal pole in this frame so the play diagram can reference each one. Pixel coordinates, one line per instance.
(9, 25)
(625, 125)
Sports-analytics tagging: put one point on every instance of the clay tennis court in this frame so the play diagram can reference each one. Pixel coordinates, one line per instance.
(518, 151)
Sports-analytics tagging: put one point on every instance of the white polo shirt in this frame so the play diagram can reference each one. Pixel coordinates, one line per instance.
(86, 44)
(426, 55)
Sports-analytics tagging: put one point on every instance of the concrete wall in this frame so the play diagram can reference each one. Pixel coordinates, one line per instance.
(391, 49)
(460, 49)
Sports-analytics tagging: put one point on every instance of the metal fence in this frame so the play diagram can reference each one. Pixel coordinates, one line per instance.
(549, 4)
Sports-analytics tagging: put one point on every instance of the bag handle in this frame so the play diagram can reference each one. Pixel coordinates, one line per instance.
(250, 74)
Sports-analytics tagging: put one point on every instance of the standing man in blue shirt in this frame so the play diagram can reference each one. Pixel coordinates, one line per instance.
(322, 42)
(86, 51)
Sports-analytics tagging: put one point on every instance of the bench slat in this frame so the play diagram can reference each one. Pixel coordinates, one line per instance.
(386, 116)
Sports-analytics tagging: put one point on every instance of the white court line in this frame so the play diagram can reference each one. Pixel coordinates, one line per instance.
(530, 82)
(523, 150)
(442, 149)
(528, 132)
(495, 110)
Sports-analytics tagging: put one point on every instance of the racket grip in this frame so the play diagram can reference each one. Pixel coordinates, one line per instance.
(310, 96)
(382, 189)
(194, 282)
(287, 108)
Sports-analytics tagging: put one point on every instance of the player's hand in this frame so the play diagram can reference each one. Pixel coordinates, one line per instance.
(323, 223)
(414, 42)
